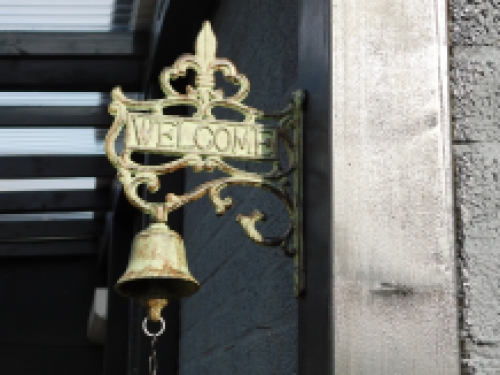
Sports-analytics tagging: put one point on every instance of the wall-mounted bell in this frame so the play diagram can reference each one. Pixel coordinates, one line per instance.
(157, 269)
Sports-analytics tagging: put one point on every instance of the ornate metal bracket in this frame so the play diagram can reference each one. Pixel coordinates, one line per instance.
(202, 141)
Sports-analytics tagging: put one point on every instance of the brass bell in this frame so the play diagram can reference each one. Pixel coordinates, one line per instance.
(157, 269)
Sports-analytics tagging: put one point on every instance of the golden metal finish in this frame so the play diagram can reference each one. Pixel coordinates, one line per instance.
(202, 141)
(154, 307)
(157, 270)
(177, 136)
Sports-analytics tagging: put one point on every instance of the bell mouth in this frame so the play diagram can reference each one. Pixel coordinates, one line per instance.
(157, 288)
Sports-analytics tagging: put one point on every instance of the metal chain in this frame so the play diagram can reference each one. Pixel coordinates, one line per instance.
(153, 360)
(145, 328)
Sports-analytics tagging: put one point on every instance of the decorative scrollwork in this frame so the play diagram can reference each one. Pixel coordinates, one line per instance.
(202, 141)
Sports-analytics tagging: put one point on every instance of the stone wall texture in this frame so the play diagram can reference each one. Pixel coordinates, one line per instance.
(475, 73)
(244, 318)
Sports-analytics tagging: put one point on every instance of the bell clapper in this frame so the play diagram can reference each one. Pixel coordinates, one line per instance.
(155, 306)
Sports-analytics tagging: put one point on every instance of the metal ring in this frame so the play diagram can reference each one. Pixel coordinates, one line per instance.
(145, 328)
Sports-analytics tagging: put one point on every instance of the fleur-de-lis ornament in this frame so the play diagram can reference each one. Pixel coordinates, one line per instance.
(203, 142)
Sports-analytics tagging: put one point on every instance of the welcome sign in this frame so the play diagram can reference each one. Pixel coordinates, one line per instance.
(203, 142)
(177, 136)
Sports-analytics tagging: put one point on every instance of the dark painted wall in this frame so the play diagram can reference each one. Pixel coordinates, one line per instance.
(244, 318)
(44, 310)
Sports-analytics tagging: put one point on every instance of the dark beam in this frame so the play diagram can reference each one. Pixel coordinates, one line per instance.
(174, 33)
(27, 44)
(64, 200)
(316, 315)
(71, 74)
(10, 230)
(48, 248)
(70, 116)
(143, 15)
(116, 350)
(119, 206)
(105, 237)
(55, 166)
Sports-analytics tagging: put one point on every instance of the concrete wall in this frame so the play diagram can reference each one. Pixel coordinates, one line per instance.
(244, 318)
(475, 36)
(394, 261)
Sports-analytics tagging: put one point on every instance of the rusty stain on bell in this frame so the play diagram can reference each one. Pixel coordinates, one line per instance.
(158, 268)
